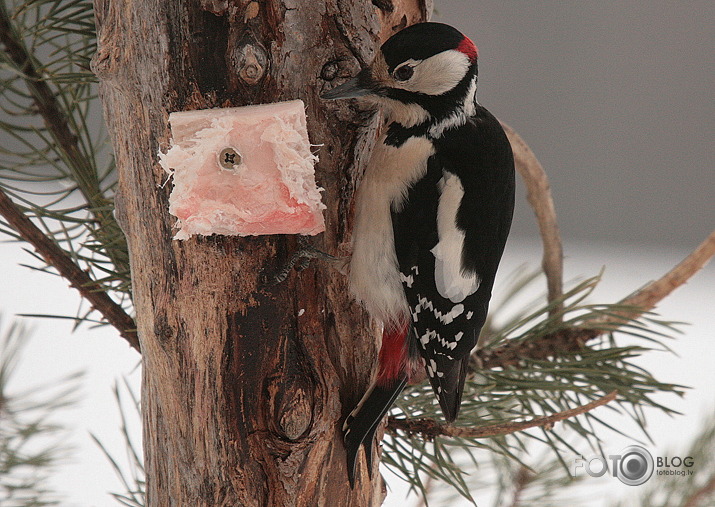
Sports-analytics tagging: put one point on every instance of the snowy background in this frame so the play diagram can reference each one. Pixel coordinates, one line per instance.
(615, 98)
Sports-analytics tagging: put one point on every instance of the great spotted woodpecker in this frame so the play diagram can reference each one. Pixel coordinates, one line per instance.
(433, 212)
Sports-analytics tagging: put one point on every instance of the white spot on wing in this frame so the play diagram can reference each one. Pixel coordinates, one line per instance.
(445, 318)
(452, 283)
(425, 338)
(407, 280)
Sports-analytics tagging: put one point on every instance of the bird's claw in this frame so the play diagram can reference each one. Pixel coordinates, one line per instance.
(300, 260)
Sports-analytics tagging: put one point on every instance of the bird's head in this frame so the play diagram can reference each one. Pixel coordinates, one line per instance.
(423, 72)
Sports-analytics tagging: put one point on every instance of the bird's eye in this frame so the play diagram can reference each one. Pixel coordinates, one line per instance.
(404, 73)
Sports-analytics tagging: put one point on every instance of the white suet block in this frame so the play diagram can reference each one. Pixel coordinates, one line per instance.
(243, 171)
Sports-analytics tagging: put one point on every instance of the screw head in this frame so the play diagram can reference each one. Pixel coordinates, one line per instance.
(229, 159)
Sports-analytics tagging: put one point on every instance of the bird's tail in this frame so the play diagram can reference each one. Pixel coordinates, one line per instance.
(361, 425)
(449, 388)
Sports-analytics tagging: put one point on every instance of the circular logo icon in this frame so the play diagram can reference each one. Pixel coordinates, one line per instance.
(636, 465)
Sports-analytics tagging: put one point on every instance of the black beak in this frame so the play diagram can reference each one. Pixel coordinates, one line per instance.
(348, 90)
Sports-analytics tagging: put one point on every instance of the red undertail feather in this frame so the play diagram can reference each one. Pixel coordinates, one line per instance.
(393, 353)
(468, 48)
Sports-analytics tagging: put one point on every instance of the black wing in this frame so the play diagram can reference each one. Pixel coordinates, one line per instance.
(445, 330)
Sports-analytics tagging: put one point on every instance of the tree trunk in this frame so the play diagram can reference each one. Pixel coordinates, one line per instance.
(243, 393)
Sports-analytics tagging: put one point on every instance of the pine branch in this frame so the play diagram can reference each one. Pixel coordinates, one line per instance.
(568, 340)
(650, 295)
(538, 193)
(429, 428)
(67, 143)
(78, 278)
(132, 475)
(563, 382)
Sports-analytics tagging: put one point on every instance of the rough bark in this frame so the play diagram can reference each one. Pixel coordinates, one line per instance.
(243, 394)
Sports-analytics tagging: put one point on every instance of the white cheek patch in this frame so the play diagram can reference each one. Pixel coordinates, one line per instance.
(438, 74)
(452, 283)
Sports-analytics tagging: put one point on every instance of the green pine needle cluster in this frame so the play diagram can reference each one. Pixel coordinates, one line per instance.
(30, 442)
(54, 156)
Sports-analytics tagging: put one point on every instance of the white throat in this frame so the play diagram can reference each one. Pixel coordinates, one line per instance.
(407, 115)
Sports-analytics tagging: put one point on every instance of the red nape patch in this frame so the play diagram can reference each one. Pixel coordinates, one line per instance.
(393, 353)
(468, 48)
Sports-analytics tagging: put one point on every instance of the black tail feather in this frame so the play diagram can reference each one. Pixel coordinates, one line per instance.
(368, 442)
(450, 387)
(361, 425)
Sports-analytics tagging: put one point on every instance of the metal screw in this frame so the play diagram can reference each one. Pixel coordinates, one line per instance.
(229, 158)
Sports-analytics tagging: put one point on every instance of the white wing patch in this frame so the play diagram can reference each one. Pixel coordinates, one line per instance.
(452, 283)
(408, 280)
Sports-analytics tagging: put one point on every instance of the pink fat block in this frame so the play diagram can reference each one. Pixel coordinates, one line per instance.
(243, 171)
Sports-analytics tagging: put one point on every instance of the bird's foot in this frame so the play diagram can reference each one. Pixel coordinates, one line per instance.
(300, 260)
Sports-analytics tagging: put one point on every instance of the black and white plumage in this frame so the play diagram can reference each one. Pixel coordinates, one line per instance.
(433, 212)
